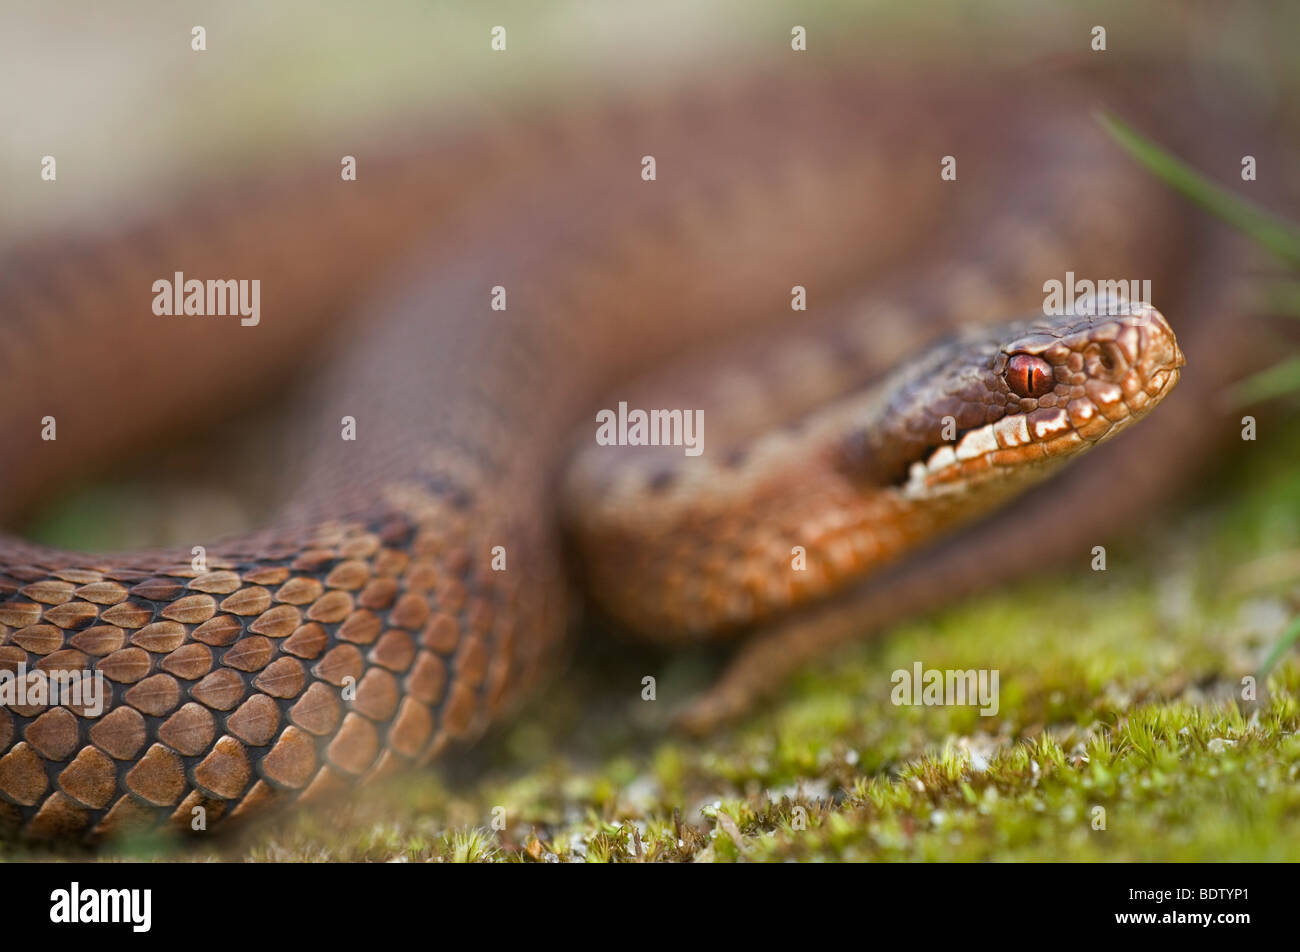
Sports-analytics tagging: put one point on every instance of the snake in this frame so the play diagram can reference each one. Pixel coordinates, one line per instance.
(451, 325)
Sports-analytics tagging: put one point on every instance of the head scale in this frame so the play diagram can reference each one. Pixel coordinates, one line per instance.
(1008, 403)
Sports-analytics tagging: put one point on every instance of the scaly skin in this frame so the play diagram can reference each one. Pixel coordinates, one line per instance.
(371, 628)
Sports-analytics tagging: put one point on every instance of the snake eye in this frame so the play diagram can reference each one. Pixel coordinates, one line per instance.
(1028, 376)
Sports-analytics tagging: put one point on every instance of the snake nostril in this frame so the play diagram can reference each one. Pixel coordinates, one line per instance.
(1105, 361)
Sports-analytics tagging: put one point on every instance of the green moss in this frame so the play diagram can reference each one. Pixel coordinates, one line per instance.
(1125, 736)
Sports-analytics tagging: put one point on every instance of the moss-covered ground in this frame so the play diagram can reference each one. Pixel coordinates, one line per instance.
(1122, 732)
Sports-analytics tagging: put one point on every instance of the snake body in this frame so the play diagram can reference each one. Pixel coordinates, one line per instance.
(415, 584)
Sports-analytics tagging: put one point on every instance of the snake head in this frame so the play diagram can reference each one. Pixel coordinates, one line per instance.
(1006, 404)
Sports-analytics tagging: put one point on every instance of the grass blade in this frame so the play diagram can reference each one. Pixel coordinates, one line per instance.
(1277, 380)
(1278, 236)
(1284, 644)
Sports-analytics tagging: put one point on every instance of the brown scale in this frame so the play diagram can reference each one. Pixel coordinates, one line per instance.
(208, 718)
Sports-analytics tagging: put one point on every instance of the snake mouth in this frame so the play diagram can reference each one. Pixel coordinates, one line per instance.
(1053, 392)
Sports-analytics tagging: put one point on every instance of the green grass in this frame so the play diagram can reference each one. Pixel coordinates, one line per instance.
(1277, 236)
(1281, 238)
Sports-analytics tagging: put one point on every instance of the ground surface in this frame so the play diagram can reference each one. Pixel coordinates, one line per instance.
(1133, 705)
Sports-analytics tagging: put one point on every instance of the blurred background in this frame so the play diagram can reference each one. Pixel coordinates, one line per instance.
(116, 92)
(136, 118)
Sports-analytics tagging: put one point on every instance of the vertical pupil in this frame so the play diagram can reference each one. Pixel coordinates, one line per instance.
(1028, 376)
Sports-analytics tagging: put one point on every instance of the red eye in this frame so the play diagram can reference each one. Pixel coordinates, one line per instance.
(1028, 376)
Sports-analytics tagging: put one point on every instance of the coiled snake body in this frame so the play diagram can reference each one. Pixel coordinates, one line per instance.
(415, 585)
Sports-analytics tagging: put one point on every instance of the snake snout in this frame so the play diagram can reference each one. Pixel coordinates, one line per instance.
(1136, 351)
(1162, 345)
(1157, 358)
